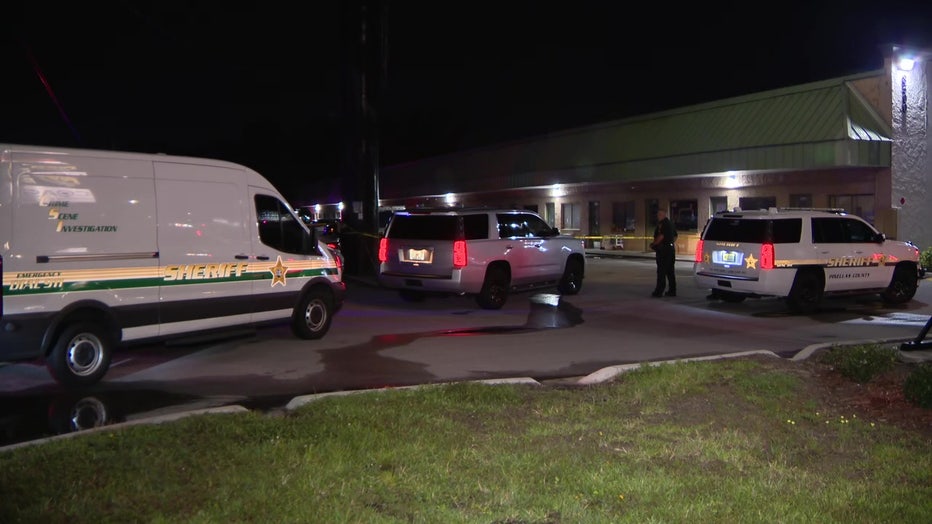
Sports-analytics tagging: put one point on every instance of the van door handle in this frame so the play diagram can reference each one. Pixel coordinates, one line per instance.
(262, 257)
(241, 257)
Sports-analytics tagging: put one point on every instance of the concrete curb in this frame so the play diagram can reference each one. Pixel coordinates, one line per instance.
(307, 399)
(611, 372)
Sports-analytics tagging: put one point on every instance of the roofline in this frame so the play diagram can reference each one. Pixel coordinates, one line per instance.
(772, 93)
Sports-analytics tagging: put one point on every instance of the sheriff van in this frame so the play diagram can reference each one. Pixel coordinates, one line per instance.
(99, 249)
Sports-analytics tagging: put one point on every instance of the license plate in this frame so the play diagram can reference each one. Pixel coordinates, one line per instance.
(421, 256)
(728, 258)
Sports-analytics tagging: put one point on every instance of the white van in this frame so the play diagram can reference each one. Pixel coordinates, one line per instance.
(101, 248)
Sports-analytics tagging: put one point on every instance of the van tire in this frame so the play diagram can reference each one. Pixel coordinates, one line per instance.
(571, 283)
(312, 316)
(806, 293)
(903, 285)
(494, 292)
(81, 355)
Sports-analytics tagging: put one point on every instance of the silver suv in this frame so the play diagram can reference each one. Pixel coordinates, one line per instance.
(483, 252)
(801, 255)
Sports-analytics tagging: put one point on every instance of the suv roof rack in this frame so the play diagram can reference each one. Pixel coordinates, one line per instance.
(777, 210)
(448, 209)
(836, 210)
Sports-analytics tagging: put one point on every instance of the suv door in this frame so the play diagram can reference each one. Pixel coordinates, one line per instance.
(536, 256)
(854, 258)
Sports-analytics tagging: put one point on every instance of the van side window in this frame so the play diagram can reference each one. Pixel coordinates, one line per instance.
(277, 226)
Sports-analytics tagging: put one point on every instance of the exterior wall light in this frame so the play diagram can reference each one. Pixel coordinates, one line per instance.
(906, 64)
(557, 190)
(731, 181)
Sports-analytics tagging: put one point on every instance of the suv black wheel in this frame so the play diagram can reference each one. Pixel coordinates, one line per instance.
(902, 286)
(806, 293)
(494, 291)
(571, 282)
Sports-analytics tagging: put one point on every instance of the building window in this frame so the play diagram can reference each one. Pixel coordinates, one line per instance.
(860, 205)
(570, 216)
(752, 203)
(718, 204)
(595, 226)
(684, 214)
(623, 220)
(550, 212)
(803, 200)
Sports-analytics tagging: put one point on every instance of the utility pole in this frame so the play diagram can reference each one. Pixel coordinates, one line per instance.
(365, 28)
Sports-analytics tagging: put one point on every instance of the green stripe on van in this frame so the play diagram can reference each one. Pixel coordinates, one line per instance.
(129, 283)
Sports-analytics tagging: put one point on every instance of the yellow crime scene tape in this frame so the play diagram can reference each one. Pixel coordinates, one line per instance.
(578, 237)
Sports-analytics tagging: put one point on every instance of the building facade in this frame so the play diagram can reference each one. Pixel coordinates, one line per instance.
(859, 142)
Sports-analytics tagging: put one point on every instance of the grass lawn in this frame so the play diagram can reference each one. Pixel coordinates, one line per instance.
(753, 439)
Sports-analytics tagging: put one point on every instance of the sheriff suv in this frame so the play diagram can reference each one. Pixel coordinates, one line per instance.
(488, 253)
(802, 255)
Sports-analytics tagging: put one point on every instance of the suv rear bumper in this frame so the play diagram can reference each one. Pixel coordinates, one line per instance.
(453, 283)
(771, 282)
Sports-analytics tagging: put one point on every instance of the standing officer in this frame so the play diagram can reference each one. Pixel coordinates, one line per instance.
(663, 245)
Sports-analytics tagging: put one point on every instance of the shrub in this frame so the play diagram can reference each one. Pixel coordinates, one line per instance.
(918, 386)
(860, 362)
(925, 258)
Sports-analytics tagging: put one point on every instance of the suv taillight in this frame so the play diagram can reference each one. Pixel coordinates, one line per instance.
(459, 253)
(766, 256)
(698, 257)
(383, 249)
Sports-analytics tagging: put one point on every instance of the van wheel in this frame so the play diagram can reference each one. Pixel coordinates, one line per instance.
(571, 282)
(902, 287)
(806, 293)
(494, 290)
(311, 318)
(67, 415)
(81, 355)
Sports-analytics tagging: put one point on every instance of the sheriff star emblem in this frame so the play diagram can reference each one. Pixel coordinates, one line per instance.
(278, 273)
(751, 262)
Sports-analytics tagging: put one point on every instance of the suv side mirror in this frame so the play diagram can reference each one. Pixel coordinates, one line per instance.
(879, 238)
(555, 232)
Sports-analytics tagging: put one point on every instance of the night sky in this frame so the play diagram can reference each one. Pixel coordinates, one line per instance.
(265, 83)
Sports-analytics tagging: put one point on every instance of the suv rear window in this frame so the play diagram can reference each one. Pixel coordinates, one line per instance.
(438, 227)
(730, 229)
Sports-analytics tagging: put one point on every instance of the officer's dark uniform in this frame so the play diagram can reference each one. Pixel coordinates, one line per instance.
(663, 244)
